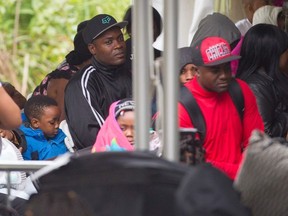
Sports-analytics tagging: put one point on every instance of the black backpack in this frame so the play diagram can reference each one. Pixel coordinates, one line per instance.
(195, 114)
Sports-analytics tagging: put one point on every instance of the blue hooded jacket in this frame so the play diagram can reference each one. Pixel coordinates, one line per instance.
(41, 148)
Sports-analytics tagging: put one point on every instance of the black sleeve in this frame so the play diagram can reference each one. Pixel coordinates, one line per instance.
(84, 119)
(275, 121)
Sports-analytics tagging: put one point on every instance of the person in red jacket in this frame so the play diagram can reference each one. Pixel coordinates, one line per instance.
(226, 133)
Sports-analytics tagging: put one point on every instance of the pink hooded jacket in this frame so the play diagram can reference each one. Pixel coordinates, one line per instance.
(110, 136)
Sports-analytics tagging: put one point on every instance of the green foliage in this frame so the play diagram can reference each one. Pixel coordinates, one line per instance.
(45, 32)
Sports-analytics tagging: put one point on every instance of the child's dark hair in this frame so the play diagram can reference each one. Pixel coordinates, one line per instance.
(36, 104)
(17, 97)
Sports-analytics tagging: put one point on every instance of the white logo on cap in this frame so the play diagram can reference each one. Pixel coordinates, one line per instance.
(126, 103)
(217, 51)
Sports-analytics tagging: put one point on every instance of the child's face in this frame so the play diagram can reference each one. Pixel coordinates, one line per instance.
(126, 123)
(49, 122)
(187, 73)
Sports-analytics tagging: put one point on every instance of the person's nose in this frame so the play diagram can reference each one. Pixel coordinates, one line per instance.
(118, 44)
(225, 74)
(130, 132)
(189, 75)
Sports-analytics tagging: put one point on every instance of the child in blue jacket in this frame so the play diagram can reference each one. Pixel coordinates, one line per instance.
(43, 137)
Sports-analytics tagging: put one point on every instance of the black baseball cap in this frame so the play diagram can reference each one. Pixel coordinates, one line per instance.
(124, 105)
(98, 25)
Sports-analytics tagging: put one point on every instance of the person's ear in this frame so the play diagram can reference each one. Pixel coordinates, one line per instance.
(92, 48)
(197, 71)
(35, 123)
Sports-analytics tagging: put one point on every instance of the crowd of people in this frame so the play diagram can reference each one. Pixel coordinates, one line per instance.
(233, 80)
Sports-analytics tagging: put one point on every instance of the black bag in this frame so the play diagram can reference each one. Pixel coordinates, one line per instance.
(206, 191)
(122, 183)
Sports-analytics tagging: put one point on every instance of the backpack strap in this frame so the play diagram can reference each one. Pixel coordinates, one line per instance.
(195, 114)
(188, 101)
(20, 136)
(236, 95)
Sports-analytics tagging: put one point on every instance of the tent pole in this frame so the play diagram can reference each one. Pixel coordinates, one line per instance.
(171, 81)
(141, 43)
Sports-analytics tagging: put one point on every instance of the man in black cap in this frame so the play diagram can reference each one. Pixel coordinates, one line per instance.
(90, 92)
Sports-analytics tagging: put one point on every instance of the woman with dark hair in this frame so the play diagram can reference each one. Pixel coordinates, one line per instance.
(54, 83)
(157, 22)
(264, 66)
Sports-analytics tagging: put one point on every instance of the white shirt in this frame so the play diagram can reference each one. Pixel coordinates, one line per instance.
(243, 25)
